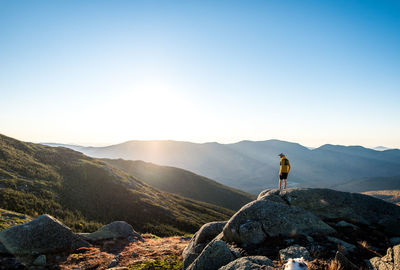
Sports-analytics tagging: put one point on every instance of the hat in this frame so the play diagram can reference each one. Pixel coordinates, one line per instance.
(281, 155)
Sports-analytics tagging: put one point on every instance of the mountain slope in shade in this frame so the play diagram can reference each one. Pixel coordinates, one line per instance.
(392, 196)
(85, 192)
(254, 165)
(184, 183)
(369, 184)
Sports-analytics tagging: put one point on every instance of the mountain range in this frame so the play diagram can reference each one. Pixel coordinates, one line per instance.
(253, 165)
(85, 192)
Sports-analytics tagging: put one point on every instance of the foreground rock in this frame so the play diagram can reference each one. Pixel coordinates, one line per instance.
(391, 261)
(200, 240)
(249, 263)
(214, 255)
(294, 252)
(40, 260)
(332, 204)
(42, 235)
(325, 225)
(261, 219)
(116, 229)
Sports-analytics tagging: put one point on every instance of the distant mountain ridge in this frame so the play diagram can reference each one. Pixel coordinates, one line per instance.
(253, 165)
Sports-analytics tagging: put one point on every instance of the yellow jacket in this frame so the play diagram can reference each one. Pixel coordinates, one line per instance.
(285, 165)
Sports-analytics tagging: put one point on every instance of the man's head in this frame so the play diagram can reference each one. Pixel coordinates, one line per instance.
(281, 155)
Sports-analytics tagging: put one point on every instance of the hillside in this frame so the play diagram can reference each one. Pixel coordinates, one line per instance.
(392, 196)
(253, 165)
(369, 184)
(184, 183)
(84, 192)
(10, 218)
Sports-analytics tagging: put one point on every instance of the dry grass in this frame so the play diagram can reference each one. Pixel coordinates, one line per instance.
(335, 265)
(99, 257)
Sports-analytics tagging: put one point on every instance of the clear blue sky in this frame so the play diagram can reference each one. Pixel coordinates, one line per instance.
(93, 72)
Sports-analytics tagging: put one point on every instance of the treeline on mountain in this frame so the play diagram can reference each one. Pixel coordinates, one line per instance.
(184, 183)
(85, 193)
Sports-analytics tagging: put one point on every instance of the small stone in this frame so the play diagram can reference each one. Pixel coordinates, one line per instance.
(289, 241)
(344, 262)
(310, 239)
(113, 263)
(293, 252)
(40, 261)
(132, 239)
(343, 223)
(134, 254)
(236, 252)
(249, 263)
(186, 238)
(346, 246)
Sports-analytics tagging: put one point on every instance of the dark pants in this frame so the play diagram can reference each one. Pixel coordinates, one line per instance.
(283, 175)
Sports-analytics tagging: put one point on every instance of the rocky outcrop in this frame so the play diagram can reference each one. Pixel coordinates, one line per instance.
(260, 219)
(249, 263)
(200, 240)
(331, 204)
(116, 229)
(391, 261)
(44, 234)
(214, 255)
(286, 225)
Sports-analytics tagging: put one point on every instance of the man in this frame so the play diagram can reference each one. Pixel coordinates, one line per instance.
(284, 170)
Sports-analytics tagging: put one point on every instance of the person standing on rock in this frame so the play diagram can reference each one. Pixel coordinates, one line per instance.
(284, 170)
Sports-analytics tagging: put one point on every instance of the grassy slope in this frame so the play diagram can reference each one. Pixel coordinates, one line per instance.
(84, 192)
(184, 183)
(10, 218)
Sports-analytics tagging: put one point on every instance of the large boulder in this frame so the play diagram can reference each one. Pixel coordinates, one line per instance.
(332, 204)
(214, 255)
(3, 249)
(116, 229)
(200, 240)
(391, 261)
(44, 234)
(260, 219)
(249, 263)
